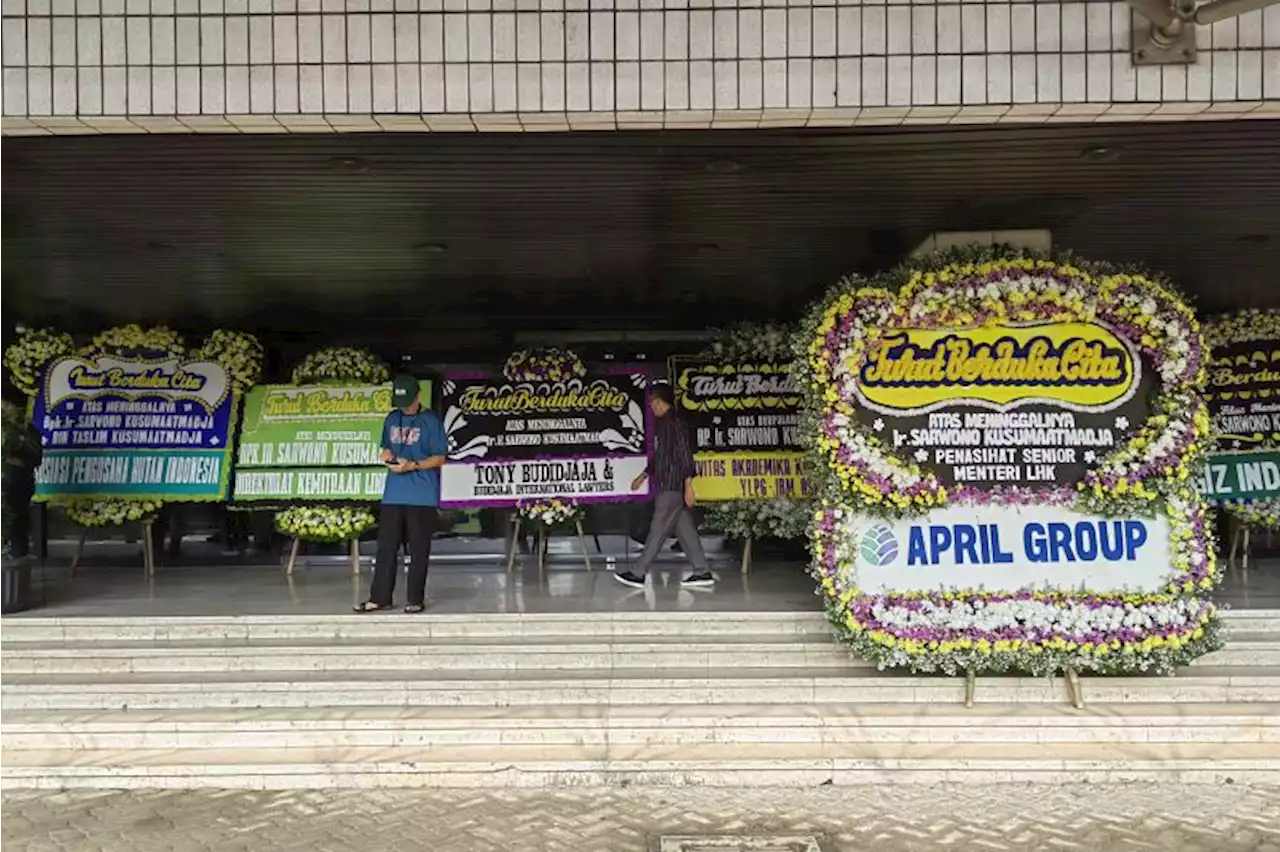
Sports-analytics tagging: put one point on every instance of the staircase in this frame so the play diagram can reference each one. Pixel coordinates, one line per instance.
(727, 699)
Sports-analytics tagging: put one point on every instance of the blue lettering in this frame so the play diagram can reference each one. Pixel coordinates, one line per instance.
(966, 539)
(916, 554)
(1135, 535)
(1087, 542)
(939, 542)
(1111, 540)
(1034, 542)
(1060, 543)
(984, 541)
(1000, 557)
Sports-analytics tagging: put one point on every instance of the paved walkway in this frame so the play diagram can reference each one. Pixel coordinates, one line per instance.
(1092, 818)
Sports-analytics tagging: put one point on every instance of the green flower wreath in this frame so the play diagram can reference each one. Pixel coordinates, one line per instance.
(328, 524)
(112, 513)
(332, 523)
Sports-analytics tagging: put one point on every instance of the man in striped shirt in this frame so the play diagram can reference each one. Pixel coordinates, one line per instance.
(673, 471)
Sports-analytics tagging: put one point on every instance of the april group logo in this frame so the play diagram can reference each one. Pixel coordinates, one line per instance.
(878, 545)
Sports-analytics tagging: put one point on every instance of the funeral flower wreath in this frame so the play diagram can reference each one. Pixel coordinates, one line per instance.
(326, 523)
(757, 518)
(1245, 327)
(26, 359)
(1149, 471)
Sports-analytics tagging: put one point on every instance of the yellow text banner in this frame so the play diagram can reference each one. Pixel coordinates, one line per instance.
(750, 476)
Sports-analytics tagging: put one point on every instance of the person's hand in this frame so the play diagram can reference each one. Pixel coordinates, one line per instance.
(638, 482)
(688, 494)
(385, 456)
(401, 467)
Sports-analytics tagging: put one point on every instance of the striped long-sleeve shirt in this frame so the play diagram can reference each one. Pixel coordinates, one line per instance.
(672, 461)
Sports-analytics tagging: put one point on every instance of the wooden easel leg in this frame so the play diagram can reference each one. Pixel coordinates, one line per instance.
(746, 557)
(148, 549)
(542, 550)
(515, 542)
(293, 556)
(355, 557)
(970, 687)
(75, 560)
(582, 541)
(1244, 555)
(1073, 689)
(1236, 532)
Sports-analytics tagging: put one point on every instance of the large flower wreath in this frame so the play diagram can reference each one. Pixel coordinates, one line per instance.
(28, 357)
(1149, 471)
(757, 518)
(331, 523)
(1245, 327)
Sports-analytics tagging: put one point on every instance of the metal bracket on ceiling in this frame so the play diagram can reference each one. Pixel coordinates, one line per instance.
(1164, 31)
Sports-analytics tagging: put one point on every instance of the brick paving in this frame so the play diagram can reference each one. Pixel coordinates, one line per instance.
(1089, 818)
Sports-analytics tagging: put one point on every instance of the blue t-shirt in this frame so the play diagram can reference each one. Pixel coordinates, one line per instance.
(413, 437)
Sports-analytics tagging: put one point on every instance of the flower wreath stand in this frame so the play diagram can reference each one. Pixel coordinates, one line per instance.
(751, 519)
(543, 517)
(102, 514)
(324, 525)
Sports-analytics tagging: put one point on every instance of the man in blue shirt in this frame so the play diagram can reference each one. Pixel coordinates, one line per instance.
(414, 448)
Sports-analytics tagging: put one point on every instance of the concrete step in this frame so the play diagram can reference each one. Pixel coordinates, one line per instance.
(620, 626)
(725, 765)
(600, 626)
(674, 725)
(817, 649)
(484, 688)
(461, 654)
(1252, 620)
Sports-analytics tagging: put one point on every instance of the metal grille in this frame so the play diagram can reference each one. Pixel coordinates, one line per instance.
(639, 60)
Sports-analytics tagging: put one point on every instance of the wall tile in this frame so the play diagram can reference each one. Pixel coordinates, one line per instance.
(385, 56)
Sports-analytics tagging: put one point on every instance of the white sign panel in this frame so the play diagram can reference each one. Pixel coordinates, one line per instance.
(1010, 548)
(504, 483)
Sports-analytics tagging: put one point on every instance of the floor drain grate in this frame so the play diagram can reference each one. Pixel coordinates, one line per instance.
(739, 843)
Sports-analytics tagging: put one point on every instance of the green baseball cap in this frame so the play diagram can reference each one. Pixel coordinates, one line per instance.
(404, 388)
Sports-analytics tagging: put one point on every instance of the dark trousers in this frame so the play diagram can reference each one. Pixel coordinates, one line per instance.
(398, 524)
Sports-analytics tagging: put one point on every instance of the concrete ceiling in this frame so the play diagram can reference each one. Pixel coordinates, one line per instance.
(470, 237)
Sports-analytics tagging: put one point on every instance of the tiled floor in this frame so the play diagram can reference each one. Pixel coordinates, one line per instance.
(483, 587)
(1025, 818)
(118, 587)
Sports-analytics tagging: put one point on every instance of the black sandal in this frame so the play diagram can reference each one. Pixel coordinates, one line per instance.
(414, 609)
(369, 606)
